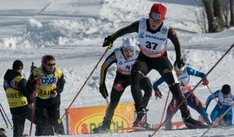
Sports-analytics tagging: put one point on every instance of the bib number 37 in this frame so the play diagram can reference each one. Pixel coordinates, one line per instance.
(151, 45)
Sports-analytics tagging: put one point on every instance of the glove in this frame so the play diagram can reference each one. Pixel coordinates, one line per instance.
(205, 81)
(103, 91)
(108, 42)
(157, 93)
(179, 63)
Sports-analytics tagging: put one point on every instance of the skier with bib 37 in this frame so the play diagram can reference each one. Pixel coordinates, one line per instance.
(153, 35)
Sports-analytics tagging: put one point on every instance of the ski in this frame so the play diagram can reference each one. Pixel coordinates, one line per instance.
(143, 129)
(138, 129)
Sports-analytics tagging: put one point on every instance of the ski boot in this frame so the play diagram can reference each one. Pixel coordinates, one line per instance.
(193, 124)
(141, 120)
(101, 129)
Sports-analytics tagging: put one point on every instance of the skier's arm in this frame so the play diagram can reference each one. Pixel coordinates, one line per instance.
(23, 90)
(211, 97)
(60, 84)
(175, 40)
(106, 64)
(194, 72)
(128, 29)
(31, 83)
(158, 82)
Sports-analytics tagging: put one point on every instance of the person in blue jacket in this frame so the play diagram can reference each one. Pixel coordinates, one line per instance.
(225, 101)
(183, 75)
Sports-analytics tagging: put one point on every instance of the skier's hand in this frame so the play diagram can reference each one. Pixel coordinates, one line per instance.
(108, 42)
(53, 93)
(157, 93)
(34, 94)
(179, 63)
(205, 81)
(31, 105)
(103, 91)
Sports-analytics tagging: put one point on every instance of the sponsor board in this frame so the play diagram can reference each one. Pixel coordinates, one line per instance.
(84, 120)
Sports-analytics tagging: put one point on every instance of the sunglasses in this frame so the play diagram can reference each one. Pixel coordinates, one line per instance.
(51, 64)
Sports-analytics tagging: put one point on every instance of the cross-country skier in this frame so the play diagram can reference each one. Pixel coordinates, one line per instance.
(183, 75)
(153, 35)
(124, 57)
(225, 101)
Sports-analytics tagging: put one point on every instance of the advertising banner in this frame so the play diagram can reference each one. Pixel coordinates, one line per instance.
(84, 120)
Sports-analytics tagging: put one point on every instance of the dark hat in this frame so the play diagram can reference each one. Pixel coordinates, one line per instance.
(17, 65)
(158, 11)
(226, 89)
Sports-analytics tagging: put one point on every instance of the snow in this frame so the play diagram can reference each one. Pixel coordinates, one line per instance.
(73, 31)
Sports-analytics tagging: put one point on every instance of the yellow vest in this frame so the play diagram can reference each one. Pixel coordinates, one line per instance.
(47, 83)
(14, 97)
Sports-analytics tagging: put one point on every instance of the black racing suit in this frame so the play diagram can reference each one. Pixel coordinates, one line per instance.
(124, 81)
(19, 114)
(162, 64)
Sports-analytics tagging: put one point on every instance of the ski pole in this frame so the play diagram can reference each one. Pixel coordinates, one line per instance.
(34, 100)
(6, 115)
(228, 50)
(213, 123)
(7, 126)
(164, 109)
(60, 120)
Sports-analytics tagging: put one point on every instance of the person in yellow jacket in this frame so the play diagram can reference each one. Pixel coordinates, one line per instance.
(19, 99)
(46, 84)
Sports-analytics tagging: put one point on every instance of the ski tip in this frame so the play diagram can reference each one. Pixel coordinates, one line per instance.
(149, 135)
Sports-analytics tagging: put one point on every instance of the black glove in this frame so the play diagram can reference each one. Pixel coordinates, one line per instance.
(179, 63)
(108, 42)
(103, 91)
(157, 93)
